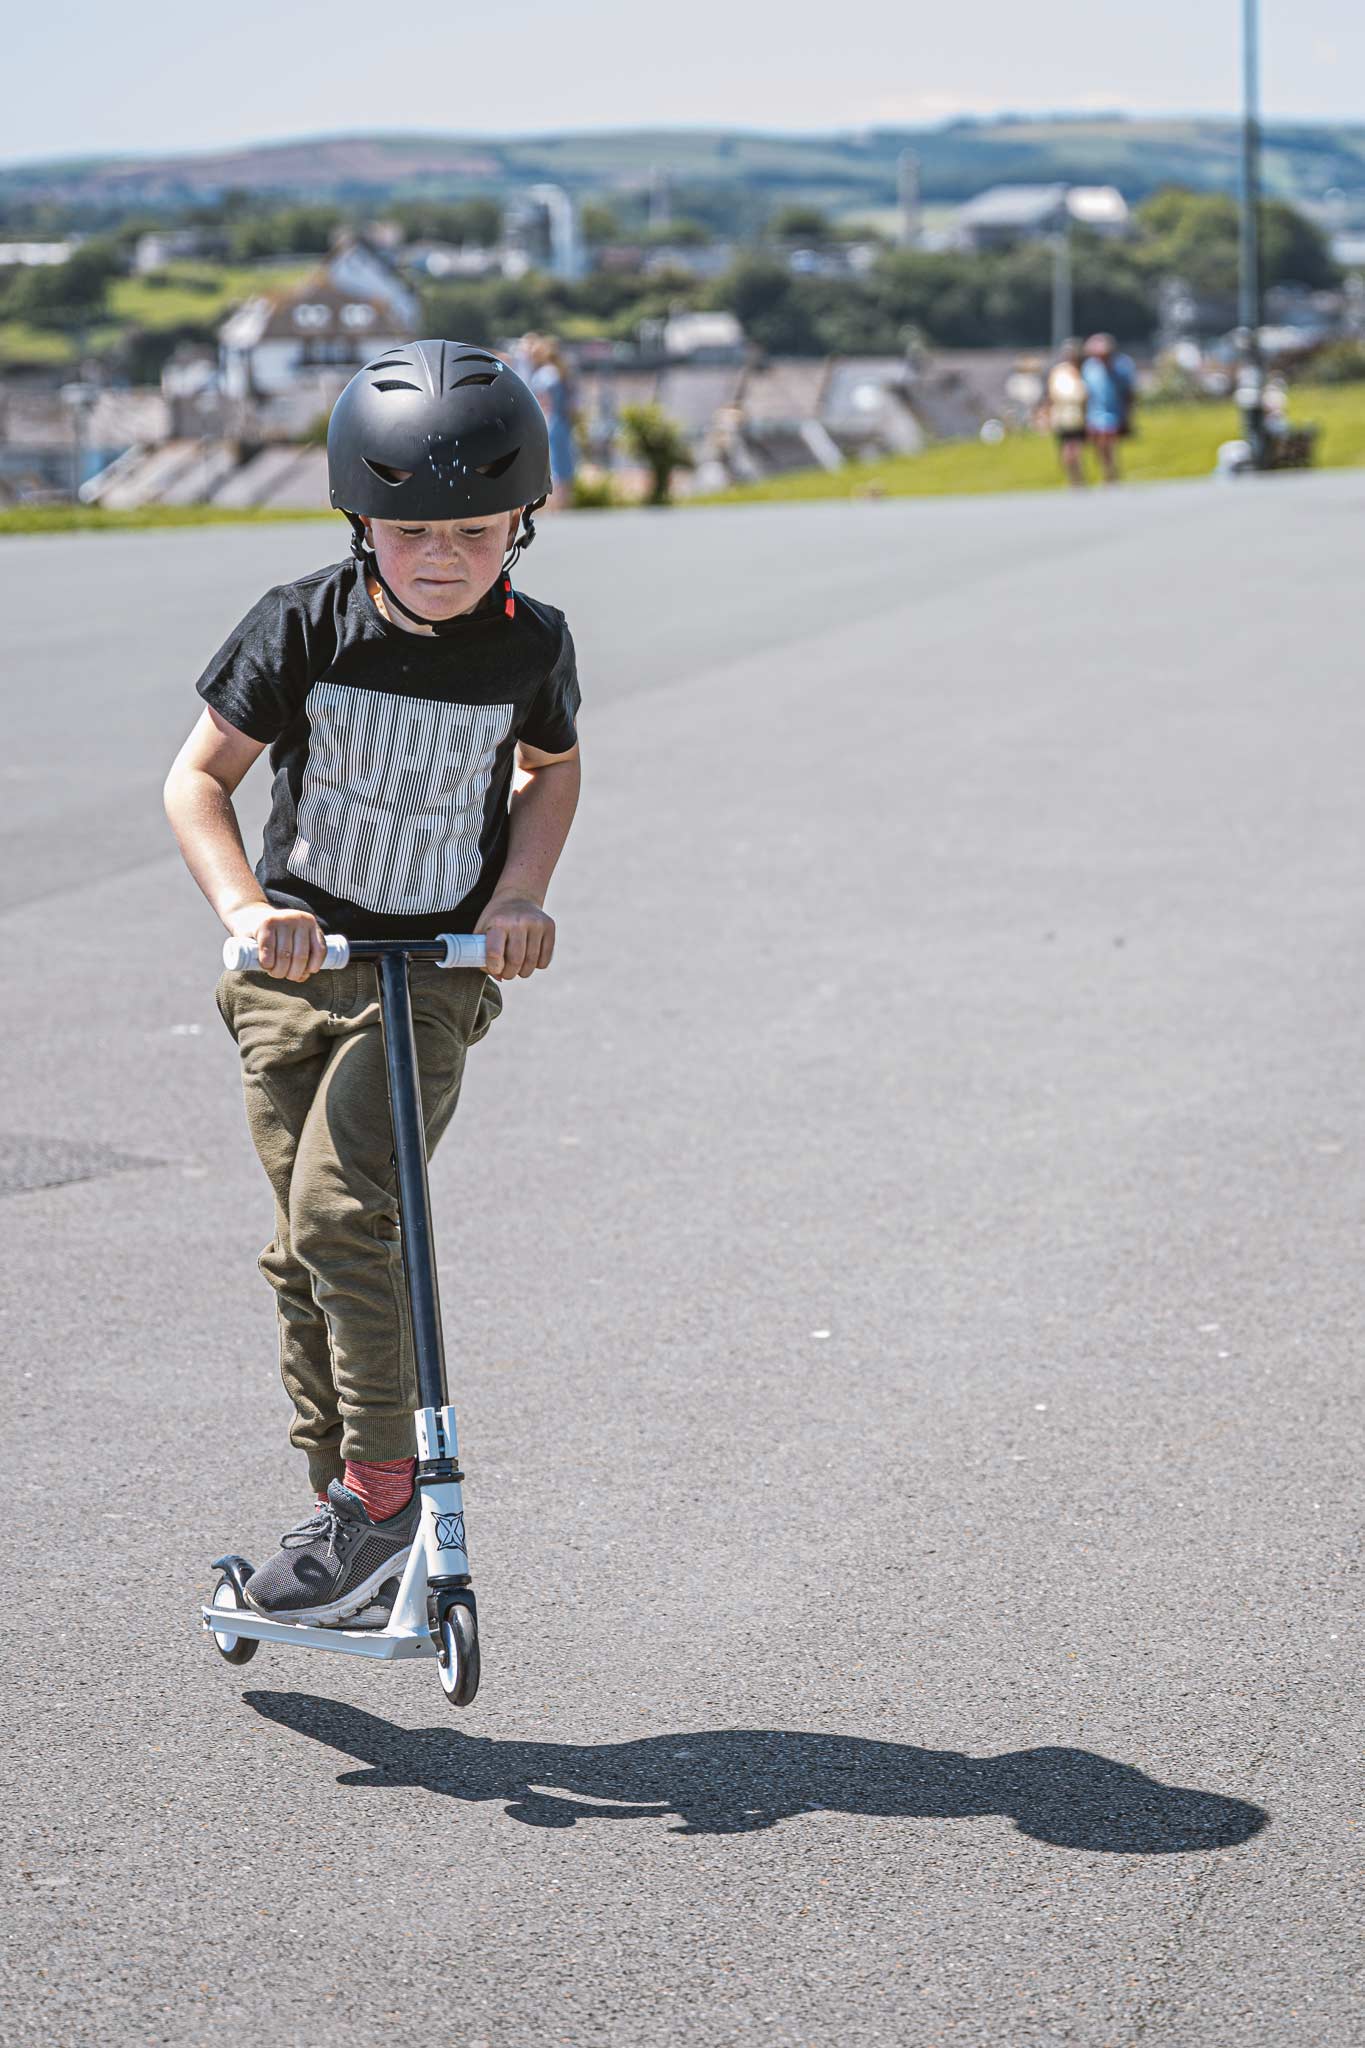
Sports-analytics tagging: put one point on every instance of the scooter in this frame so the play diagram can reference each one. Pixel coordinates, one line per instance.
(434, 1612)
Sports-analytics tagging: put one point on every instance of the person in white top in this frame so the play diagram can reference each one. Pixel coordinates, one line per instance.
(1066, 405)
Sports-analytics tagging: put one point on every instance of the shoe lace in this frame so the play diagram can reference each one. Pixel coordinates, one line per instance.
(324, 1522)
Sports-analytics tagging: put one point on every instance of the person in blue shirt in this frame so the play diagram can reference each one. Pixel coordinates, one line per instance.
(1110, 387)
(549, 379)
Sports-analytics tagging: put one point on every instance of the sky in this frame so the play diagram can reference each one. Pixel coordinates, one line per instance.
(146, 77)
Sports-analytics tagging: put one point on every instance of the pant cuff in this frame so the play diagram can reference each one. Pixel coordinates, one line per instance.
(323, 1467)
(379, 1436)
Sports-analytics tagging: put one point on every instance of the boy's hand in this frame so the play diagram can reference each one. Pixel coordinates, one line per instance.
(520, 935)
(290, 942)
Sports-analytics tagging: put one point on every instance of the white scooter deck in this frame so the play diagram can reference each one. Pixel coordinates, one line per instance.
(437, 1553)
(386, 1644)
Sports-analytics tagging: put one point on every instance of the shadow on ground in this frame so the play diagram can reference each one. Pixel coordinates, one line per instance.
(731, 1781)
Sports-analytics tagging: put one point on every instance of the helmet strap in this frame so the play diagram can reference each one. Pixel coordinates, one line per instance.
(369, 561)
(525, 535)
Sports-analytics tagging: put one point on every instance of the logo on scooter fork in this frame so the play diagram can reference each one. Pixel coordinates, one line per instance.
(450, 1532)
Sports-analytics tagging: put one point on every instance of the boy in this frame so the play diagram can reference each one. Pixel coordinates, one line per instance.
(395, 691)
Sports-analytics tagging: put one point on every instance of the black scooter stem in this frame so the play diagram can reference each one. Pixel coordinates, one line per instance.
(410, 1158)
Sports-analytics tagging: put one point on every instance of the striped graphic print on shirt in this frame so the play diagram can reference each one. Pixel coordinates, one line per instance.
(391, 808)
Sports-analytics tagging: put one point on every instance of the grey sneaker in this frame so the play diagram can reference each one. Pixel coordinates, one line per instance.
(335, 1565)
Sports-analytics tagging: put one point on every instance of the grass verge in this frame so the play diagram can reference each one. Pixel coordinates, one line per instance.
(1171, 441)
(88, 518)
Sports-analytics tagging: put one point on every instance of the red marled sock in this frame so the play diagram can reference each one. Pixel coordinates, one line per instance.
(381, 1485)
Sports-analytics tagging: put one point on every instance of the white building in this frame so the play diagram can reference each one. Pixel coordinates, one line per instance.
(30, 255)
(356, 266)
(160, 246)
(712, 336)
(354, 307)
(1006, 214)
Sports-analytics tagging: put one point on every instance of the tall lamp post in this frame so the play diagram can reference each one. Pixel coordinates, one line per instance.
(1251, 377)
(79, 400)
(1063, 314)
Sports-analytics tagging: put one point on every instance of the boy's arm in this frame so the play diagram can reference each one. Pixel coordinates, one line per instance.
(198, 799)
(520, 933)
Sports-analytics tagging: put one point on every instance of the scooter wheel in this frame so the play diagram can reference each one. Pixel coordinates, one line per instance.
(458, 1653)
(236, 1649)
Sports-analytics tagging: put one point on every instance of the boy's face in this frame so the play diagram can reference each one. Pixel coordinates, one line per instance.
(442, 567)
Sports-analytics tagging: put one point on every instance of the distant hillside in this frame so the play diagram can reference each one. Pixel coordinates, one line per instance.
(727, 176)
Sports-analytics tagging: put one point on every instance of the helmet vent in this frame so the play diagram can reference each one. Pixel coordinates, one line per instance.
(498, 468)
(396, 384)
(479, 355)
(478, 377)
(384, 473)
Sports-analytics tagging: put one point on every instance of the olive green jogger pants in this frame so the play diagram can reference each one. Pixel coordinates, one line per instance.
(317, 1107)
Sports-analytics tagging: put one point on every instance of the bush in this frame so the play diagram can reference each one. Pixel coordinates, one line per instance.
(70, 294)
(1340, 362)
(657, 441)
(449, 220)
(593, 493)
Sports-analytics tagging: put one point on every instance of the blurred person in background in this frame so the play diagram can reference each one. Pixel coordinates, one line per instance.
(1110, 384)
(1065, 403)
(518, 356)
(549, 379)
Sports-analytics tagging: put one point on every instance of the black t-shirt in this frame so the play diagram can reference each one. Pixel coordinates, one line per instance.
(392, 751)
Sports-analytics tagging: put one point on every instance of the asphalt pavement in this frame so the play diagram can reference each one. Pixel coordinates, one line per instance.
(901, 1272)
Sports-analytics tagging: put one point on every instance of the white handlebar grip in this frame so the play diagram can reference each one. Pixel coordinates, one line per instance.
(244, 955)
(464, 952)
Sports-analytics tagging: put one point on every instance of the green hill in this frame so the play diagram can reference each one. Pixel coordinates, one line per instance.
(727, 176)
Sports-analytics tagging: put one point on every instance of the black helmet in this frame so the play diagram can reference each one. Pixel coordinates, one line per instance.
(437, 430)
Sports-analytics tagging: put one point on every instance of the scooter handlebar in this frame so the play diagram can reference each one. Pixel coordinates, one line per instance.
(461, 950)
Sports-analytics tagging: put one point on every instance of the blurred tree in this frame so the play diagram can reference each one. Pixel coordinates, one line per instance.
(1340, 362)
(801, 224)
(1193, 235)
(659, 443)
(599, 223)
(477, 220)
(769, 305)
(142, 353)
(289, 231)
(679, 233)
(496, 307)
(70, 294)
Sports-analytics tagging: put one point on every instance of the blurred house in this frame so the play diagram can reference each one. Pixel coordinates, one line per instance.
(272, 345)
(354, 306)
(704, 337)
(1005, 215)
(1101, 208)
(436, 261)
(1298, 319)
(1348, 249)
(696, 259)
(541, 231)
(832, 259)
(49, 445)
(356, 264)
(30, 255)
(747, 419)
(956, 390)
(867, 404)
(212, 470)
(153, 251)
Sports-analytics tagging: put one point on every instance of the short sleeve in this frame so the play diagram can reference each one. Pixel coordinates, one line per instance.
(551, 722)
(259, 677)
